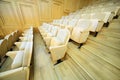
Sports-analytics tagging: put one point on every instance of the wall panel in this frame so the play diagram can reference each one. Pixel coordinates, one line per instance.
(21, 14)
(45, 12)
(26, 14)
(57, 10)
(8, 17)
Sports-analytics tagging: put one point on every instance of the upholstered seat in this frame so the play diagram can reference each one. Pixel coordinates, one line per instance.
(96, 25)
(53, 33)
(81, 31)
(20, 66)
(58, 45)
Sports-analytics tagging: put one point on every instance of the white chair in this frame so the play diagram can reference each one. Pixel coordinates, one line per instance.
(20, 67)
(53, 33)
(58, 45)
(81, 31)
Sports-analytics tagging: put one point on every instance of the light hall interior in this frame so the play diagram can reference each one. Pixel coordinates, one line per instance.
(59, 39)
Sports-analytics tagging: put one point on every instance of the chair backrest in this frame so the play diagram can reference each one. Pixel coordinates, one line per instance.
(63, 35)
(55, 30)
(73, 22)
(3, 47)
(27, 54)
(9, 39)
(83, 24)
(94, 23)
(102, 16)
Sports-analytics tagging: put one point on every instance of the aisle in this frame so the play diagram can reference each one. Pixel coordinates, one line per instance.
(43, 69)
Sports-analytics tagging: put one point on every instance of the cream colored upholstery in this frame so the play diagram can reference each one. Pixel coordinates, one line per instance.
(53, 33)
(81, 31)
(71, 24)
(58, 45)
(96, 25)
(21, 64)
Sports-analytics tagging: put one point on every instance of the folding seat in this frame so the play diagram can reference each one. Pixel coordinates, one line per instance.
(58, 45)
(53, 31)
(28, 31)
(9, 39)
(43, 27)
(3, 48)
(58, 22)
(26, 38)
(49, 36)
(20, 67)
(102, 16)
(77, 16)
(71, 24)
(85, 16)
(112, 9)
(65, 23)
(48, 30)
(81, 31)
(96, 25)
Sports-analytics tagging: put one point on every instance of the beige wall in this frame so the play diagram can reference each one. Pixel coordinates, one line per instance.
(20, 14)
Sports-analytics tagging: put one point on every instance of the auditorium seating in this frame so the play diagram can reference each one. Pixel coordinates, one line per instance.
(58, 44)
(79, 24)
(49, 36)
(56, 40)
(27, 36)
(107, 11)
(21, 59)
(7, 43)
(81, 31)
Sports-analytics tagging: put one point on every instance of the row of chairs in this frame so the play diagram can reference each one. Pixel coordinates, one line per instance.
(21, 58)
(7, 43)
(79, 24)
(89, 19)
(56, 40)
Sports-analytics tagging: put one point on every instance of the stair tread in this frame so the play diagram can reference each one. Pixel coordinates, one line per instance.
(107, 42)
(82, 75)
(110, 34)
(108, 39)
(108, 57)
(64, 72)
(92, 66)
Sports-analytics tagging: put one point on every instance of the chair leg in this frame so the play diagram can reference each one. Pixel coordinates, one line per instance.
(95, 34)
(115, 17)
(58, 61)
(80, 45)
(106, 24)
(70, 40)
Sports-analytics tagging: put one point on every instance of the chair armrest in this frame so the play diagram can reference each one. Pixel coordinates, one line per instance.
(21, 73)
(12, 54)
(58, 52)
